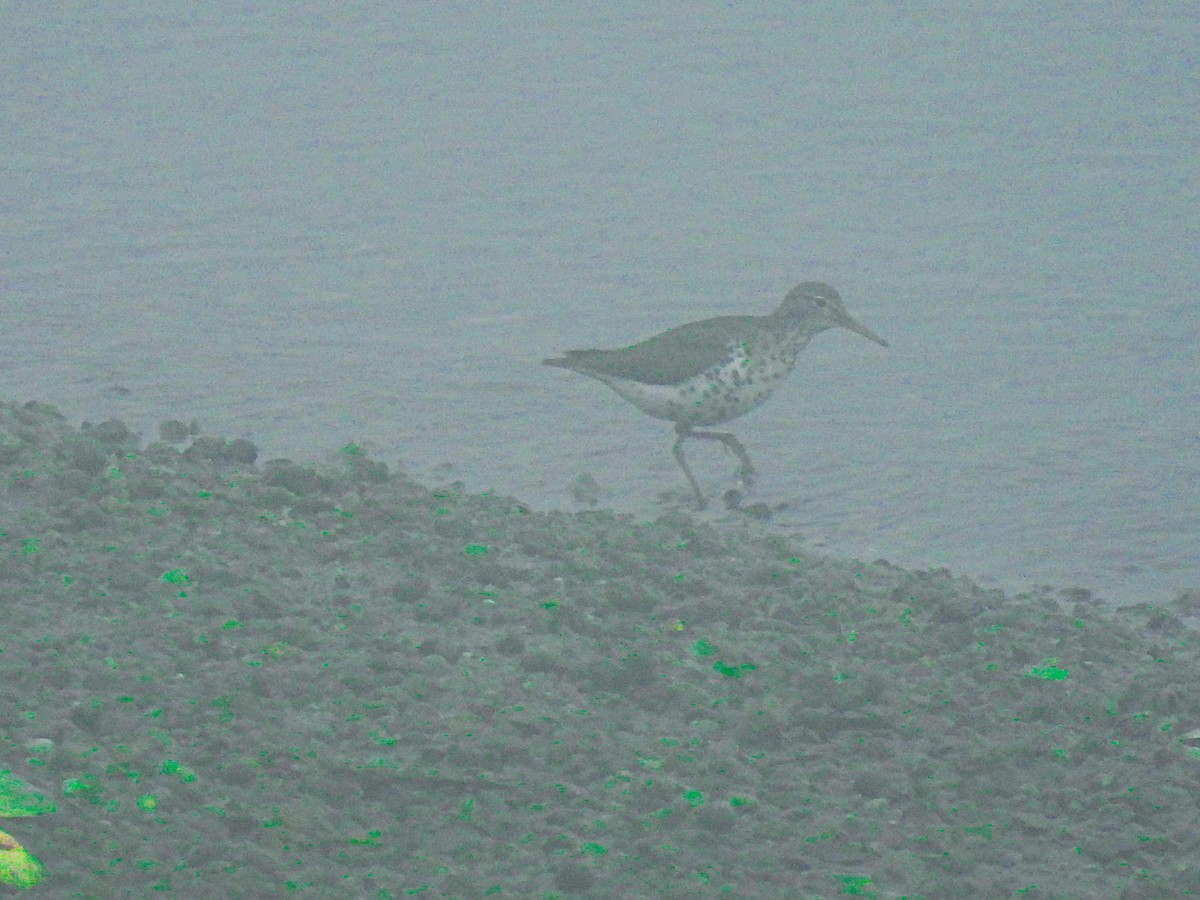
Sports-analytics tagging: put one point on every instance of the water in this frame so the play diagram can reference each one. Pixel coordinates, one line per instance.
(311, 225)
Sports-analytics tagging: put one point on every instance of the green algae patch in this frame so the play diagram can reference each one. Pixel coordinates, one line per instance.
(19, 799)
(18, 867)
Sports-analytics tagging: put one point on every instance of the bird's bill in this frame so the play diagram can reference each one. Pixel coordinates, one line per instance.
(859, 328)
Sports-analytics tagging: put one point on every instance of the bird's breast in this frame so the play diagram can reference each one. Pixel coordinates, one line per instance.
(721, 392)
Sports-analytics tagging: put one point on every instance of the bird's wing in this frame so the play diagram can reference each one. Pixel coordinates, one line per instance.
(668, 358)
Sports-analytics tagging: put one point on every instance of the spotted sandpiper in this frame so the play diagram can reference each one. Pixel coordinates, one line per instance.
(709, 372)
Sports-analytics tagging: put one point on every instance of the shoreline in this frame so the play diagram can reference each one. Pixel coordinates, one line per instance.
(267, 677)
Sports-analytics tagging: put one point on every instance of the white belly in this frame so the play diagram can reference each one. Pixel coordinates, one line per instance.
(718, 395)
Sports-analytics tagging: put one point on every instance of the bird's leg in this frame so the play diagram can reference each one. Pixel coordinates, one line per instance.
(731, 443)
(677, 452)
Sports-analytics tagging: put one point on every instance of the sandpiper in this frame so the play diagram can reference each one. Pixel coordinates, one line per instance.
(709, 372)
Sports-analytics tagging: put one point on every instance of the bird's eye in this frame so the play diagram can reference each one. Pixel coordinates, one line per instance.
(821, 302)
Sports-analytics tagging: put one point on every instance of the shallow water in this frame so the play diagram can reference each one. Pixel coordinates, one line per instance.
(308, 230)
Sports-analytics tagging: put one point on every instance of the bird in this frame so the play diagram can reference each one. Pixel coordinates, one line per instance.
(709, 372)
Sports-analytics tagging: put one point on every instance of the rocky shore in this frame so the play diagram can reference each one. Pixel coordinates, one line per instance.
(248, 678)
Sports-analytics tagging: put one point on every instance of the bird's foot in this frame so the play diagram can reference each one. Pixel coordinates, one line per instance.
(734, 498)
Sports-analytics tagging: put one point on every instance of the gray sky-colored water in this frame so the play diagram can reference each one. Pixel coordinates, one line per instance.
(313, 223)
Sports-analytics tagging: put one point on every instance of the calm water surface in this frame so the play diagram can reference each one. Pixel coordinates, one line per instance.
(309, 225)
